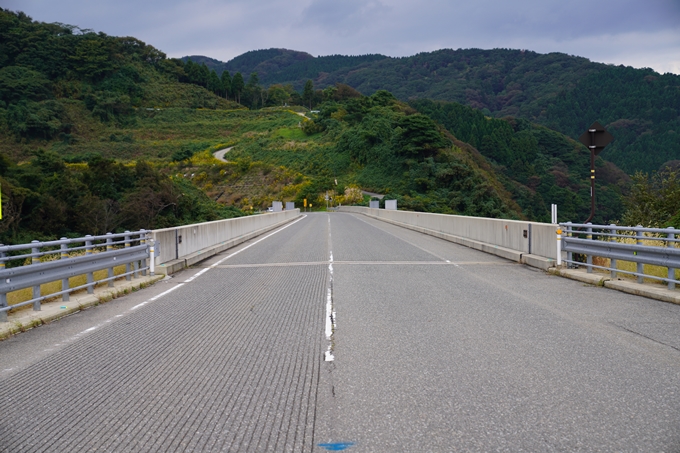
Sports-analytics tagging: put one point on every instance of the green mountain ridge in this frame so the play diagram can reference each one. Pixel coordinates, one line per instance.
(564, 92)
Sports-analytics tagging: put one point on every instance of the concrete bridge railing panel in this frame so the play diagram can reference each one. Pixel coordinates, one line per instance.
(521, 237)
(179, 244)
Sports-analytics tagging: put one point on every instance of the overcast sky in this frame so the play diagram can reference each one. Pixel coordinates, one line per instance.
(639, 33)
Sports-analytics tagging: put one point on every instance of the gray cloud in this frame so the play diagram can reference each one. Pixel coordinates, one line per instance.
(342, 17)
(627, 32)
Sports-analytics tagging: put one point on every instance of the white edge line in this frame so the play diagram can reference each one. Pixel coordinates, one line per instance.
(158, 296)
(179, 285)
(259, 240)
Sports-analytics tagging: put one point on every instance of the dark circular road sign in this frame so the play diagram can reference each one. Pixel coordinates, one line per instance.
(596, 138)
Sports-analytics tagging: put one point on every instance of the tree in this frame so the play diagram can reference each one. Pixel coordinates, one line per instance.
(654, 200)
(214, 83)
(419, 136)
(204, 74)
(12, 206)
(97, 216)
(142, 207)
(343, 92)
(17, 83)
(252, 90)
(226, 84)
(353, 195)
(308, 93)
(278, 95)
(237, 85)
(92, 59)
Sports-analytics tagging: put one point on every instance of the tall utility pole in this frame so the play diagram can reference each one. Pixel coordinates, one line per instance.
(595, 138)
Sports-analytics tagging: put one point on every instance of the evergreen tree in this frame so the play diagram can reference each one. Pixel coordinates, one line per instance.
(226, 84)
(252, 90)
(193, 72)
(215, 84)
(308, 93)
(237, 85)
(204, 75)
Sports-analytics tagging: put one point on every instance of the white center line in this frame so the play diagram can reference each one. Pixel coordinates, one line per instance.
(330, 314)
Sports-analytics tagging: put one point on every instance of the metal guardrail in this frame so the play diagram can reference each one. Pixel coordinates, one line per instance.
(131, 249)
(623, 243)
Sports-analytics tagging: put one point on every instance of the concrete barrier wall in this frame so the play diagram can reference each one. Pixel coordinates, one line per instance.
(502, 237)
(184, 245)
(544, 240)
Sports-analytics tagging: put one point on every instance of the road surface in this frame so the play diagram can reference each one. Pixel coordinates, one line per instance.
(219, 155)
(341, 331)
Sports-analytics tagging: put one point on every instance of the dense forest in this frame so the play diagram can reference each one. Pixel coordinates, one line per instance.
(564, 92)
(282, 66)
(540, 166)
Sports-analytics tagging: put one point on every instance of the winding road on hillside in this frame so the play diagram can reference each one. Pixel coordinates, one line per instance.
(219, 155)
(338, 331)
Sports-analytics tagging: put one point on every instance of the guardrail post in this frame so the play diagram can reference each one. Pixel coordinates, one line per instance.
(90, 275)
(152, 261)
(3, 296)
(640, 266)
(589, 258)
(570, 256)
(558, 258)
(128, 277)
(613, 261)
(64, 281)
(109, 247)
(35, 259)
(136, 267)
(142, 240)
(3, 304)
(671, 271)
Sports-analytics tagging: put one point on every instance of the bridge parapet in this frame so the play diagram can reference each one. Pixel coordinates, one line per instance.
(182, 246)
(533, 243)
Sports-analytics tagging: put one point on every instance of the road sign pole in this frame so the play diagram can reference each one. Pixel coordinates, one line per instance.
(595, 138)
(592, 181)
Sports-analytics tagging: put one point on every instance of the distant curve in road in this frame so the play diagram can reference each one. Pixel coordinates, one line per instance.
(219, 155)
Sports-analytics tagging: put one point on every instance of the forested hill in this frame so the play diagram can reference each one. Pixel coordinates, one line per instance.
(51, 73)
(277, 66)
(77, 121)
(564, 92)
(101, 133)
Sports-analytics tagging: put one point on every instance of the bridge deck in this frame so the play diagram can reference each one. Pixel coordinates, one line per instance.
(435, 347)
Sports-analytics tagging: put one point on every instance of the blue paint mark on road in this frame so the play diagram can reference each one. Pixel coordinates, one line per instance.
(337, 446)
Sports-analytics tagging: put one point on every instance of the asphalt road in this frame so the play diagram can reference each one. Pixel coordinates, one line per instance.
(219, 155)
(340, 331)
